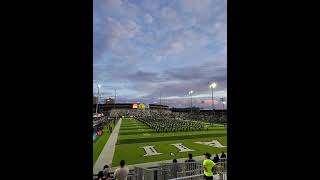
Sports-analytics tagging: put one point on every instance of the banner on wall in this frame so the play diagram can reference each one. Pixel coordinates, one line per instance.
(141, 106)
(94, 136)
(99, 133)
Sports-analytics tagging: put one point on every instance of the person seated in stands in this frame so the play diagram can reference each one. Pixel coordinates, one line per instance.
(122, 172)
(100, 176)
(105, 170)
(216, 159)
(108, 177)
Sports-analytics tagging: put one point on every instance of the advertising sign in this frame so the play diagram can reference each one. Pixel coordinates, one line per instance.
(141, 106)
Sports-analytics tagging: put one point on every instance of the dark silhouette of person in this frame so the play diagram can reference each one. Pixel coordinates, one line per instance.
(223, 155)
(175, 168)
(190, 165)
(216, 159)
(100, 175)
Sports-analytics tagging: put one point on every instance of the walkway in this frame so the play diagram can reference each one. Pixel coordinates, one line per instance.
(106, 154)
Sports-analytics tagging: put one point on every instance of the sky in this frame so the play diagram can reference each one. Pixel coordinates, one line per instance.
(144, 47)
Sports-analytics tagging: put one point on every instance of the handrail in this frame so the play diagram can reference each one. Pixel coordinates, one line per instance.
(186, 177)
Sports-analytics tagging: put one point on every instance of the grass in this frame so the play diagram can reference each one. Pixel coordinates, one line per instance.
(99, 143)
(134, 135)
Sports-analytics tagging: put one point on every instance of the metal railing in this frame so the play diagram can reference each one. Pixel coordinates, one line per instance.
(176, 171)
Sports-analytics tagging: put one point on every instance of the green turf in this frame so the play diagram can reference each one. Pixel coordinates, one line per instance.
(134, 135)
(99, 143)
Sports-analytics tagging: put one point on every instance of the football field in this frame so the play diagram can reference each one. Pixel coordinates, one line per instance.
(134, 135)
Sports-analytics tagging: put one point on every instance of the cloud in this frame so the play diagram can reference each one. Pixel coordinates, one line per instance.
(148, 18)
(142, 76)
(143, 47)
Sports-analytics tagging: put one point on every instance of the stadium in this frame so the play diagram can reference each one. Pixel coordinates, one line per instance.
(149, 137)
(159, 90)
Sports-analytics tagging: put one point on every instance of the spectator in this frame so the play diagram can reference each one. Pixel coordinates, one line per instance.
(108, 177)
(208, 165)
(190, 165)
(175, 168)
(100, 175)
(105, 170)
(216, 159)
(223, 157)
(190, 158)
(122, 172)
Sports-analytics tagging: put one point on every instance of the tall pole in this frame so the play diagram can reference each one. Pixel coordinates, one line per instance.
(97, 101)
(160, 105)
(190, 93)
(191, 102)
(212, 86)
(114, 103)
(212, 100)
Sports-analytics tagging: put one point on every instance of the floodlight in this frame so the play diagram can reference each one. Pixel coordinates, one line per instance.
(213, 85)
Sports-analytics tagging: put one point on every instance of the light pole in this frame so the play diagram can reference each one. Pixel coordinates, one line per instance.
(98, 100)
(212, 86)
(114, 103)
(190, 93)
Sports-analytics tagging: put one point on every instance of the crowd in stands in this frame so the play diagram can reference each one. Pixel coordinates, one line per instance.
(205, 116)
(103, 122)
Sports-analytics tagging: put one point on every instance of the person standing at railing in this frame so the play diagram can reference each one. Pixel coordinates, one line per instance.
(122, 172)
(191, 165)
(208, 165)
(175, 168)
(216, 159)
(223, 155)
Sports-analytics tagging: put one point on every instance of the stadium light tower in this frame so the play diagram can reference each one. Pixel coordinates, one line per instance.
(212, 86)
(190, 93)
(98, 100)
(114, 103)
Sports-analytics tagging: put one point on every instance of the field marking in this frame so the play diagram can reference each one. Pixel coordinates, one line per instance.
(107, 153)
(213, 143)
(150, 151)
(182, 148)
